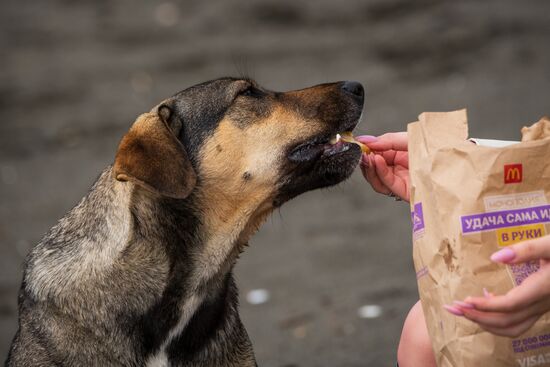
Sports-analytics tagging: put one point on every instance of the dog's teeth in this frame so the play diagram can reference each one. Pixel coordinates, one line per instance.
(335, 140)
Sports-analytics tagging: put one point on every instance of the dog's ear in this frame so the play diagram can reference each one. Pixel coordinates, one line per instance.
(151, 156)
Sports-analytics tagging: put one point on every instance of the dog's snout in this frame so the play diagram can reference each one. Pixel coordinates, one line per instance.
(354, 88)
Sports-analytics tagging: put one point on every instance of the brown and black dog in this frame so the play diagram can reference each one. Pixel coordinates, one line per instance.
(139, 273)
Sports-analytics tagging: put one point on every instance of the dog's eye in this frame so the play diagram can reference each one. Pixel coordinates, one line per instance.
(251, 92)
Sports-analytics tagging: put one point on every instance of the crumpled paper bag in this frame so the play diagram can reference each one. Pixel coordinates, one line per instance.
(468, 201)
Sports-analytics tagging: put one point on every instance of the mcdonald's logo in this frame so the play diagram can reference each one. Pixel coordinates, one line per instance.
(513, 173)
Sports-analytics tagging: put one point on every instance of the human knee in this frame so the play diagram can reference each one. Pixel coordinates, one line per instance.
(415, 347)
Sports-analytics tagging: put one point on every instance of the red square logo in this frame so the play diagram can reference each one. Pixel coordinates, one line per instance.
(513, 173)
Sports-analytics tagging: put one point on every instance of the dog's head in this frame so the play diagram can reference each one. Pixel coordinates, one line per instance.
(232, 138)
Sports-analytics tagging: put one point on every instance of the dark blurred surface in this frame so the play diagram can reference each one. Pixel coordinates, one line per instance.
(74, 75)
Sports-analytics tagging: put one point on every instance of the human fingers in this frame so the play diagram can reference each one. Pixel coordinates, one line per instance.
(366, 139)
(502, 327)
(535, 249)
(533, 289)
(514, 331)
(369, 172)
(403, 174)
(401, 159)
(499, 319)
(388, 177)
(396, 158)
(393, 141)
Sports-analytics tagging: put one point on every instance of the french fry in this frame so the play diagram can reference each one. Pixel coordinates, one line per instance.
(347, 136)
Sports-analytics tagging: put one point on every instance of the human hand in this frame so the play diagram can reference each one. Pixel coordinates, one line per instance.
(515, 312)
(386, 168)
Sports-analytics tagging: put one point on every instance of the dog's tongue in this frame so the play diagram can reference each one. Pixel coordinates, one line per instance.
(338, 147)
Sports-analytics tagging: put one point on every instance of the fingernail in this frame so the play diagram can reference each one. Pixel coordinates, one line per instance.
(468, 306)
(453, 310)
(365, 160)
(503, 256)
(366, 138)
(486, 293)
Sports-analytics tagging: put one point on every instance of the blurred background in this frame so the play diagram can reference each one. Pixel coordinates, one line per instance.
(329, 279)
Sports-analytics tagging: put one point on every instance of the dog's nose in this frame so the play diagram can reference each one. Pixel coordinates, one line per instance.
(354, 88)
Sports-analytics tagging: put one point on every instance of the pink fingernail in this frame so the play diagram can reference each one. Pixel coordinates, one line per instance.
(453, 310)
(486, 293)
(468, 306)
(366, 139)
(503, 256)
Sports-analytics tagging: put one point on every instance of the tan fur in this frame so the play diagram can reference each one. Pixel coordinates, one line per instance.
(140, 271)
(236, 206)
(142, 158)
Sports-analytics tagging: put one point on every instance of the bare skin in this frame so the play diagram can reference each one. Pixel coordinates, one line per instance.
(415, 346)
(515, 312)
(387, 171)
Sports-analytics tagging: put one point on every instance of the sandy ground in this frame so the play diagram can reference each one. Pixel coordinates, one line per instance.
(74, 75)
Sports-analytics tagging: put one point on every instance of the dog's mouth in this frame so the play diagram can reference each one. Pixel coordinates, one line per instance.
(326, 146)
(320, 161)
(330, 156)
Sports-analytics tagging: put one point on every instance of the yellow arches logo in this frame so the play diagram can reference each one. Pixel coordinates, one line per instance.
(513, 173)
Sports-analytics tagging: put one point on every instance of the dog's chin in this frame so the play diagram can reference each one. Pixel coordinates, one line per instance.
(318, 166)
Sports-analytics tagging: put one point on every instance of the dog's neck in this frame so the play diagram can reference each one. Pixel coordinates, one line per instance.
(172, 259)
(229, 221)
(203, 235)
(208, 230)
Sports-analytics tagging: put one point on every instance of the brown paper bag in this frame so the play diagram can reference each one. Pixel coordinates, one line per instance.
(468, 201)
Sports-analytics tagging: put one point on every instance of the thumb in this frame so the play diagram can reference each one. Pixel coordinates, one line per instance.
(535, 249)
(389, 141)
